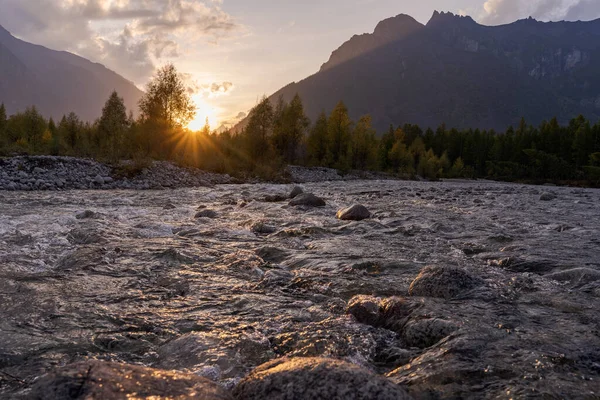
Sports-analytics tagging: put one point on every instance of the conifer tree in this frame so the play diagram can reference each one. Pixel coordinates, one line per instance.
(316, 142)
(339, 127)
(113, 125)
(363, 145)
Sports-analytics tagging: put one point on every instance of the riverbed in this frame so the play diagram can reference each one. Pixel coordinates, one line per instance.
(216, 281)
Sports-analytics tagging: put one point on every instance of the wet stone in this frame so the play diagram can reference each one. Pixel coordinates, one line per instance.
(547, 196)
(262, 228)
(427, 332)
(356, 212)
(112, 381)
(444, 282)
(315, 378)
(272, 254)
(308, 200)
(87, 214)
(206, 214)
(365, 309)
(296, 191)
(576, 276)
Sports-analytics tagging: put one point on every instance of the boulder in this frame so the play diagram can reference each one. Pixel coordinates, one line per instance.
(206, 214)
(99, 180)
(365, 309)
(87, 214)
(307, 199)
(262, 229)
(356, 212)
(547, 196)
(315, 378)
(108, 381)
(296, 191)
(443, 282)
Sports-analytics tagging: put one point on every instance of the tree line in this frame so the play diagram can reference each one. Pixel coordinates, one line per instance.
(280, 134)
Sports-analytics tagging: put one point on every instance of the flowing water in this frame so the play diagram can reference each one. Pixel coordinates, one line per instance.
(133, 276)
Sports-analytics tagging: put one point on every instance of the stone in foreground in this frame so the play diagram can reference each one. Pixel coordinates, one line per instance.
(315, 378)
(355, 213)
(307, 199)
(111, 381)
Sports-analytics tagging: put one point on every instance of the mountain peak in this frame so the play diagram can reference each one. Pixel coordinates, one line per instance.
(445, 17)
(386, 31)
(394, 26)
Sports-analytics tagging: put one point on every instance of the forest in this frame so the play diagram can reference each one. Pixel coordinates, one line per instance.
(280, 134)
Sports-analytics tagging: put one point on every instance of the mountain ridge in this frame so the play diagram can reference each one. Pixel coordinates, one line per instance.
(456, 71)
(57, 82)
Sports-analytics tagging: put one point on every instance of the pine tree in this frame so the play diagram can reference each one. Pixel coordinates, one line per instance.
(35, 126)
(70, 130)
(289, 128)
(258, 131)
(339, 127)
(316, 142)
(385, 146)
(3, 117)
(3, 123)
(363, 145)
(113, 125)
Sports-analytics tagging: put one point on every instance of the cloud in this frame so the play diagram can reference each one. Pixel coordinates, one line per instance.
(505, 11)
(214, 89)
(241, 115)
(129, 36)
(584, 10)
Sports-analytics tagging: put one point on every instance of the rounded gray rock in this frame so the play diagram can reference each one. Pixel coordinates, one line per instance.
(307, 199)
(296, 191)
(547, 196)
(356, 212)
(111, 381)
(444, 282)
(315, 378)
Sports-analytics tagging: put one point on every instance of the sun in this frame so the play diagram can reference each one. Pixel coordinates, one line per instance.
(203, 111)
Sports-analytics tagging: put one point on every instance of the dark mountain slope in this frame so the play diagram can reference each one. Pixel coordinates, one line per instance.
(56, 82)
(458, 72)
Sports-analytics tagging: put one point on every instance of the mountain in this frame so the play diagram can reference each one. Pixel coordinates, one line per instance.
(57, 82)
(455, 71)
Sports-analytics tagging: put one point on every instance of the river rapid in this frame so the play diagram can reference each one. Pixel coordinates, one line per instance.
(135, 277)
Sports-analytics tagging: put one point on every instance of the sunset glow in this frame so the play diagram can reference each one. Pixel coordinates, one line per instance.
(204, 110)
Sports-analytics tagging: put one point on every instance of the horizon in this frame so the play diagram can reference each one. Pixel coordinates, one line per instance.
(229, 53)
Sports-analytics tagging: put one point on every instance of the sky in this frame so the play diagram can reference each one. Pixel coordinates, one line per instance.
(232, 52)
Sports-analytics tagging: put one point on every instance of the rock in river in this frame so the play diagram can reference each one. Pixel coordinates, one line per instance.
(206, 214)
(356, 212)
(315, 378)
(108, 381)
(307, 199)
(444, 282)
(547, 196)
(296, 191)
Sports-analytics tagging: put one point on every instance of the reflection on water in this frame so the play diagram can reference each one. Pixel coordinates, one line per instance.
(135, 277)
